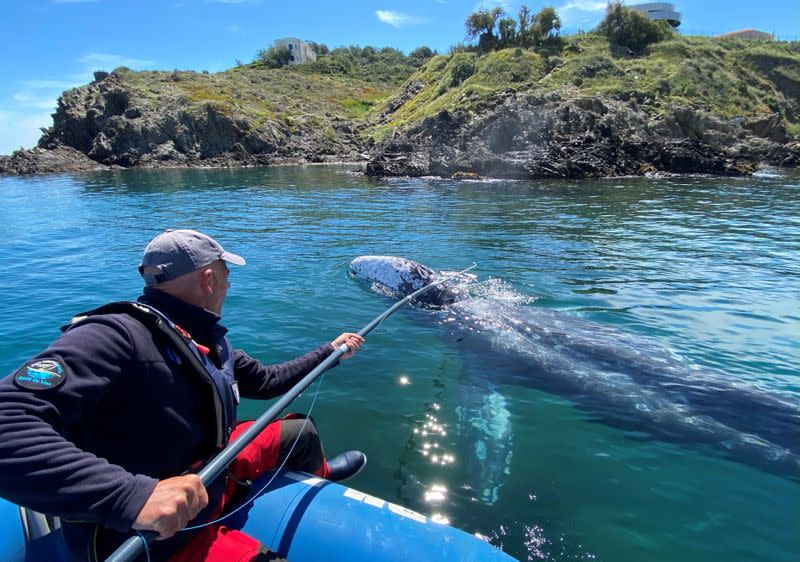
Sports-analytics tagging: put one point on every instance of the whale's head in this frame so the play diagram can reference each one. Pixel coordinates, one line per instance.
(401, 277)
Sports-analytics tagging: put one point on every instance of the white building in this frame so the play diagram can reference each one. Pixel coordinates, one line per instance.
(659, 11)
(301, 52)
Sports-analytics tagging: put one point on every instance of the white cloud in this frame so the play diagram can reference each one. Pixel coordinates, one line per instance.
(29, 109)
(110, 62)
(581, 12)
(27, 99)
(80, 78)
(396, 19)
(21, 130)
(49, 84)
(74, 1)
(235, 28)
(491, 5)
(585, 6)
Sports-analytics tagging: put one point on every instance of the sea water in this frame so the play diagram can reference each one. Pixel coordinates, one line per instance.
(707, 266)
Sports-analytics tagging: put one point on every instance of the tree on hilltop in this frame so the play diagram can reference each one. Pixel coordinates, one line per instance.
(320, 49)
(525, 22)
(481, 25)
(507, 30)
(274, 57)
(421, 54)
(494, 31)
(546, 24)
(630, 28)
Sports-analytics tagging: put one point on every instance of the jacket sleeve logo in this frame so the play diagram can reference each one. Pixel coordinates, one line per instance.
(41, 374)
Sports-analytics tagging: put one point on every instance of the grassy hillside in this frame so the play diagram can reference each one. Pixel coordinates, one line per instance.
(258, 94)
(338, 108)
(369, 93)
(731, 78)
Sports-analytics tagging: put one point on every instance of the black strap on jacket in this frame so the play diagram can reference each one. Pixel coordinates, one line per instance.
(159, 324)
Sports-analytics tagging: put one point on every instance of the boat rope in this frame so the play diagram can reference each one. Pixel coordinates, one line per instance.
(277, 471)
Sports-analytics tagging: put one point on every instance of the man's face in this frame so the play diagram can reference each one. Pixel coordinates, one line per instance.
(220, 286)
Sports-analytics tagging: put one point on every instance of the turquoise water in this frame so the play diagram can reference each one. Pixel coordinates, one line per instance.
(708, 267)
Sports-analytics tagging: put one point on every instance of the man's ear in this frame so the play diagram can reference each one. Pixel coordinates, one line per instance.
(207, 281)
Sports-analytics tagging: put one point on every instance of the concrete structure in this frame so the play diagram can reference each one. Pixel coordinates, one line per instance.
(659, 11)
(301, 51)
(751, 34)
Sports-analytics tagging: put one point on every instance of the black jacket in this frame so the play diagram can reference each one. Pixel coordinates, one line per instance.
(120, 415)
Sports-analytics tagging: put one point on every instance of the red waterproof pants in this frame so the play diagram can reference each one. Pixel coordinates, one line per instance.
(289, 437)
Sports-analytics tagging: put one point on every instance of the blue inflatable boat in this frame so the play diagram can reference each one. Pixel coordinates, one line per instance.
(306, 518)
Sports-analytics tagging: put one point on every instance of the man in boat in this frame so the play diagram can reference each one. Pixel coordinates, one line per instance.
(107, 426)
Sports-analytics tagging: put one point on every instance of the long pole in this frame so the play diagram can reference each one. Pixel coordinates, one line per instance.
(133, 546)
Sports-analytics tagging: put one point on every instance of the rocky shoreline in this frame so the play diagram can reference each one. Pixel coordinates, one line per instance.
(529, 136)
(107, 124)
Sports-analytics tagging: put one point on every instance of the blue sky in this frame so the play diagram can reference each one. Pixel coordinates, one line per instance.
(52, 45)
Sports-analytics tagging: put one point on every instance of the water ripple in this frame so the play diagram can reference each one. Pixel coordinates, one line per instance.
(707, 266)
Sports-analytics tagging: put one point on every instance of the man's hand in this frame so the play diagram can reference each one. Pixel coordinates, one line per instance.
(353, 341)
(173, 503)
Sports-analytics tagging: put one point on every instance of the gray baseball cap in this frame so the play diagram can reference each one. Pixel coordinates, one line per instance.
(178, 252)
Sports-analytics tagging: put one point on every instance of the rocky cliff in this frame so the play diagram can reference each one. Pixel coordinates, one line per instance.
(581, 109)
(533, 136)
(116, 122)
(588, 109)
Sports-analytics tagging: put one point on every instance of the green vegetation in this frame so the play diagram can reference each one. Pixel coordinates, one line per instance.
(463, 67)
(362, 105)
(730, 78)
(622, 26)
(493, 31)
(379, 90)
(274, 57)
(632, 29)
(386, 66)
(257, 94)
(344, 85)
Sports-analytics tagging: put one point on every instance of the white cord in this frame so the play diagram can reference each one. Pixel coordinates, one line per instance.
(277, 471)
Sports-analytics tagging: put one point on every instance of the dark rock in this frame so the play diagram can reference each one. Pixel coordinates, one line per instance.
(408, 92)
(552, 137)
(110, 123)
(510, 135)
(133, 113)
(769, 127)
(41, 161)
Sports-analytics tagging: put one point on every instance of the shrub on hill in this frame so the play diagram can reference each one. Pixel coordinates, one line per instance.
(421, 54)
(462, 68)
(493, 31)
(369, 63)
(629, 28)
(274, 57)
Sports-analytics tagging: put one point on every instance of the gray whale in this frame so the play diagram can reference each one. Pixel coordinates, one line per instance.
(620, 379)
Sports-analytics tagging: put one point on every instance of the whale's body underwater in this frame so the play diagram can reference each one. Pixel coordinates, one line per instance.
(621, 379)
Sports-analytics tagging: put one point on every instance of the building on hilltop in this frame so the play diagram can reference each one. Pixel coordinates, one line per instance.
(659, 11)
(301, 52)
(751, 34)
